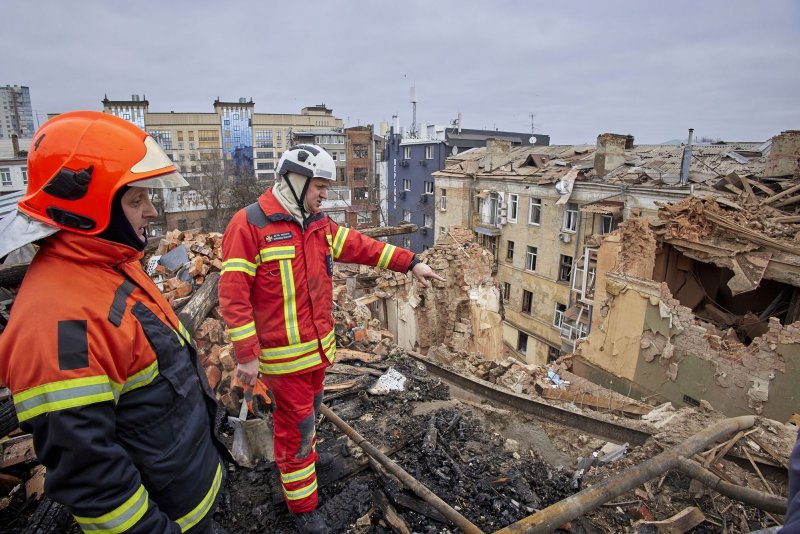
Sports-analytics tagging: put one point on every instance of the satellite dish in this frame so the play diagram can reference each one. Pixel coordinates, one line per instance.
(532, 140)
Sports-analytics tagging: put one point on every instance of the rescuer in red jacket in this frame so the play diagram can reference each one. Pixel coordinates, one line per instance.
(276, 295)
(101, 370)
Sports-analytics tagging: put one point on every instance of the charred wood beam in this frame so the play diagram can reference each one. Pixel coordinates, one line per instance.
(383, 231)
(550, 518)
(410, 482)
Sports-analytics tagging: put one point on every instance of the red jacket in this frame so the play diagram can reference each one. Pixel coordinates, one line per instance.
(276, 288)
(104, 376)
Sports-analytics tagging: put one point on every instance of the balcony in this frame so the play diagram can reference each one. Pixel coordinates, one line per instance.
(583, 276)
(575, 325)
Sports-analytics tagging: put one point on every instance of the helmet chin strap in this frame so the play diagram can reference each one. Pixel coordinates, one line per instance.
(299, 199)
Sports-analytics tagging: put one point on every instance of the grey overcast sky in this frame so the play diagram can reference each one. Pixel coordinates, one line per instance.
(729, 69)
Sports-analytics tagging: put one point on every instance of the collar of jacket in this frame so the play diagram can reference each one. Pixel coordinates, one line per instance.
(275, 211)
(89, 249)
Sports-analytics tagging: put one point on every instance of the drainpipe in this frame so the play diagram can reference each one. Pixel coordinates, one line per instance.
(687, 158)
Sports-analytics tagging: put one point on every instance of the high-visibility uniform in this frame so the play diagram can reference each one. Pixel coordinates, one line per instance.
(276, 296)
(104, 376)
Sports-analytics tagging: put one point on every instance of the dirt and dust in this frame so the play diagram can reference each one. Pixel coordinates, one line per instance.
(493, 481)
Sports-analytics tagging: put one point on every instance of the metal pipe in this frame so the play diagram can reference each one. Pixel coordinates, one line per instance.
(557, 514)
(749, 496)
(410, 482)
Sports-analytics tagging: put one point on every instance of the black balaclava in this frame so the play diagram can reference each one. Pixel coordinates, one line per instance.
(119, 229)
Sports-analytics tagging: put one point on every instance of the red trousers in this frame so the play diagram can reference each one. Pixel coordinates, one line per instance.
(297, 402)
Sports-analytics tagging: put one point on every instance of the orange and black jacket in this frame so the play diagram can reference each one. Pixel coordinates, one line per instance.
(276, 288)
(104, 376)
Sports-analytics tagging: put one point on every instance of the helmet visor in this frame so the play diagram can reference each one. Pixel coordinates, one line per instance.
(165, 181)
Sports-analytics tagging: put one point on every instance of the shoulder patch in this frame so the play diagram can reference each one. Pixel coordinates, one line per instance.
(256, 216)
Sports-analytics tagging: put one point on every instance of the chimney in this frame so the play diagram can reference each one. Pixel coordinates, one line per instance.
(15, 145)
(610, 152)
(784, 156)
(497, 153)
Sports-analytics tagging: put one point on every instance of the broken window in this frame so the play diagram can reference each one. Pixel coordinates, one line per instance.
(527, 301)
(522, 343)
(565, 268)
(530, 259)
(360, 151)
(506, 292)
(443, 199)
(513, 207)
(552, 354)
(360, 193)
(510, 251)
(607, 224)
(558, 318)
(360, 173)
(535, 211)
(571, 218)
(442, 230)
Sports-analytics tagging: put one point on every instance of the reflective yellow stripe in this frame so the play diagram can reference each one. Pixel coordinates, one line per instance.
(276, 253)
(238, 265)
(289, 302)
(386, 256)
(65, 394)
(120, 519)
(241, 332)
(299, 364)
(302, 493)
(330, 239)
(338, 243)
(329, 348)
(300, 474)
(199, 512)
(184, 332)
(142, 378)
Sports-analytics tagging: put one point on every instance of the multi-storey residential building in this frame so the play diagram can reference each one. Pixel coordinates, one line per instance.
(13, 165)
(231, 145)
(411, 162)
(16, 113)
(362, 178)
(339, 194)
(540, 210)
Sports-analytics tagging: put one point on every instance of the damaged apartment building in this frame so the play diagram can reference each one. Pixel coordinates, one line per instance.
(668, 272)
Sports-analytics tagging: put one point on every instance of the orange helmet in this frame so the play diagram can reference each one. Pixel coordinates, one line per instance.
(79, 160)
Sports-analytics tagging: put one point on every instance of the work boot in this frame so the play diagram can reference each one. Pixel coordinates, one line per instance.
(324, 461)
(310, 523)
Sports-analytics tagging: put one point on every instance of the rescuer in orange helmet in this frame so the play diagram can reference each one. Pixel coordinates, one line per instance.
(102, 372)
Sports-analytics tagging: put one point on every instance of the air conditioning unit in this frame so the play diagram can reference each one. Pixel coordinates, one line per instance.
(424, 231)
(422, 162)
(404, 163)
(423, 198)
(565, 237)
(402, 195)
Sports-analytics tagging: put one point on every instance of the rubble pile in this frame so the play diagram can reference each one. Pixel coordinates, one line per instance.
(695, 218)
(442, 443)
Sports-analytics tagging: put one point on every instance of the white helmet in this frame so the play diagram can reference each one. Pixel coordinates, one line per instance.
(311, 161)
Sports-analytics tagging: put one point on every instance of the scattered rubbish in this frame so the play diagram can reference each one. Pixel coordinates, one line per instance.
(390, 381)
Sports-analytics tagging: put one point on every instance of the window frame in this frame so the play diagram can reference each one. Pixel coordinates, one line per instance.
(537, 203)
(509, 250)
(526, 306)
(428, 188)
(513, 207)
(558, 316)
(428, 151)
(443, 199)
(571, 216)
(531, 252)
(406, 184)
(406, 152)
(565, 266)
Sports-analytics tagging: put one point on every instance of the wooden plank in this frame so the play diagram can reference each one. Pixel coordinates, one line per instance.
(782, 194)
(340, 386)
(746, 185)
(769, 450)
(396, 523)
(785, 219)
(763, 188)
(349, 355)
(787, 202)
(593, 401)
(383, 231)
(686, 519)
(344, 369)
(17, 450)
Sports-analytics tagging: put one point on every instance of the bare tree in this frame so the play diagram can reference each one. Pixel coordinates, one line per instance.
(212, 185)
